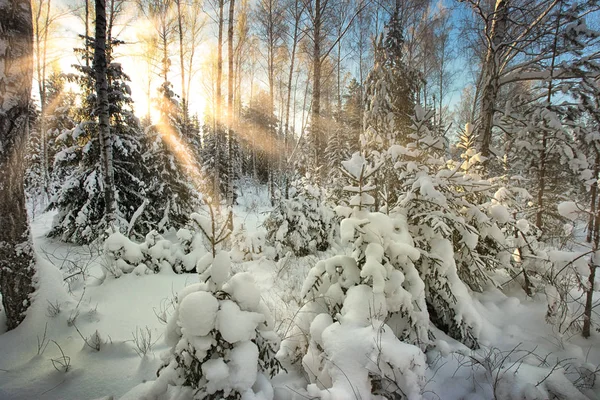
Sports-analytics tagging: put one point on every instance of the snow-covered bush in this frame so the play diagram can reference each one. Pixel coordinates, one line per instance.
(518, 373)
(247, 246)
(454, 227)
(190, 248)
(357, 306)
(221, 338)
(303, 224)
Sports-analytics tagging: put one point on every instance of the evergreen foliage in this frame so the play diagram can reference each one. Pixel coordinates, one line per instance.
(175, 176)
(390, 92)
(371, 291)
(80, 206)
(221, 338)
(302, 224)
(258, 137)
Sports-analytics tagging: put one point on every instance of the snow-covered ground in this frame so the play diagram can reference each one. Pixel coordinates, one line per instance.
(90, 335)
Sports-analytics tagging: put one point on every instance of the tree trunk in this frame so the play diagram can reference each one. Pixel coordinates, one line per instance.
(591, 227)
(17, 261)
(104, 136)
(230, 131)
(595, 234)
(316, 99)
(289, 99)
(218, 122)
(41, 45)
(490, 77)
(589, 299)
(184, 100)
(544, 150)
(87, 29)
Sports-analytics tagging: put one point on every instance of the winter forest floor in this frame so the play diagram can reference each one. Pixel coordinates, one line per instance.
(79, 307)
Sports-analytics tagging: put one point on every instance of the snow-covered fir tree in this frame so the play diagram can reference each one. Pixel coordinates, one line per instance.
(302, 224)
(34, 168)
(78, 200)
(221, 334)
(458, 236)
(362, 304)
(390, 92)
(258, 136)
(58, 118)
(175, 175)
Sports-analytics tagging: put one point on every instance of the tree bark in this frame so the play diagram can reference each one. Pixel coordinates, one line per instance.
(297, 16)
(184, 100)
(589, 299)
(17, 261)
(230, 130)
(491, 76)
(544, 150)
(102, 106)
(218, 122)
(41, 46)
(316, 92)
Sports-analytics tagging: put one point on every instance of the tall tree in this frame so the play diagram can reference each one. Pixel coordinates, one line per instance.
(390, 92)
(17, 261)
(102, 109)
(320, 31)
(230, 116)
(271, 31)
(158, 13)
(42, 21)
(180, 34)
(517, 42)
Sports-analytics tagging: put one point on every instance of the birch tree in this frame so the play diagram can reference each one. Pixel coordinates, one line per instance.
(102, 106)
(230, 122)
(514, 32)
(43, 21)
(17, 260)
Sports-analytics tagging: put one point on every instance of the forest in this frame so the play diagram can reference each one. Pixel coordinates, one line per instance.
(300, 199)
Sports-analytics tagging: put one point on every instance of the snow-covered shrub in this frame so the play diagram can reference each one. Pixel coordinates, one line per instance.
(303, 224)
(460, 243)
(357, 306)
(247, 246)
(518, 373)
(123, 255)
(222, 343)
(156, 253)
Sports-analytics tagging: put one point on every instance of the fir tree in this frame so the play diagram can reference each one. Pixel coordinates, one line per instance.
(302, 224)
(390, 92)
(258, 132)
(175, 176)
(79, 201)
(221, 338)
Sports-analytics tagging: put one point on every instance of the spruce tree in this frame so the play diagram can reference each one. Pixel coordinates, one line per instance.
(78, 199)
(258, 132)
(390, 91)
(175, 178)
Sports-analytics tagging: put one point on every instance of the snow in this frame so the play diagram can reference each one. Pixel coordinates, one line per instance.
(569, 210)
(356, 343)
(198, 313)
(236, 325)
(242, 367)
(216, 373)
(243, 290)
(499, 213)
